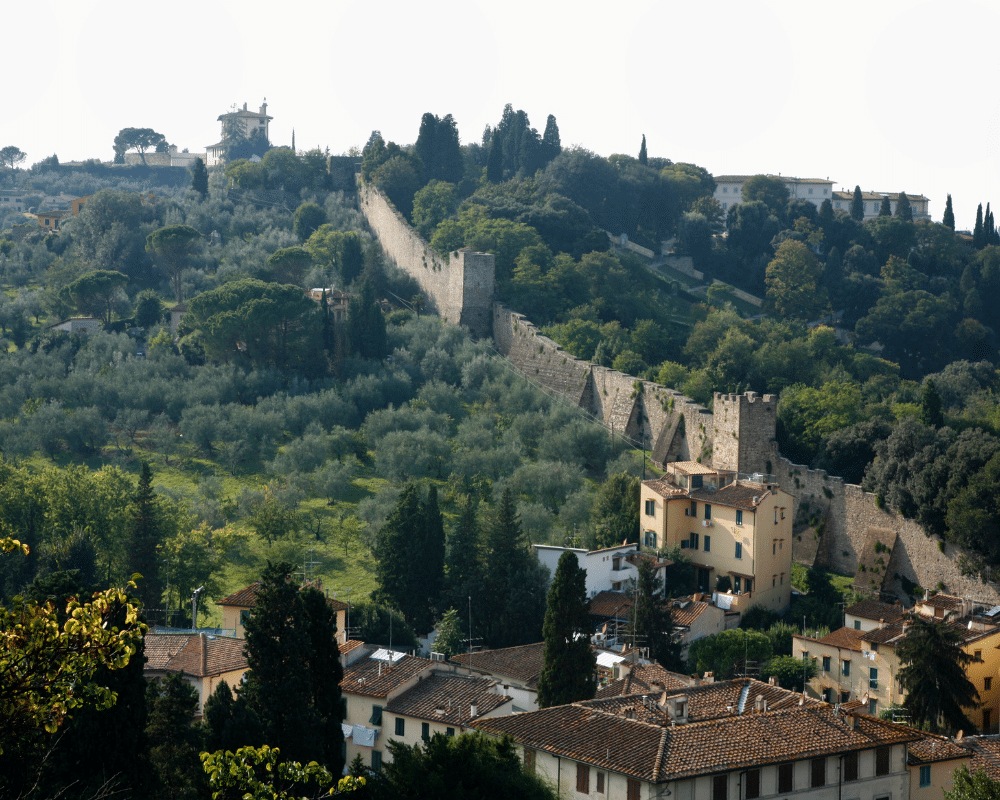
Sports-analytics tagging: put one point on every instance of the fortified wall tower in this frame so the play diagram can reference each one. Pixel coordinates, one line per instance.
(744, 427)
(459, 289)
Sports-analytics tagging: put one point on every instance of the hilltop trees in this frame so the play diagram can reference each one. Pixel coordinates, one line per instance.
(857, 205)
(568, 673)
(199, 178)
(948, 218)
(439, 150)
(792, 280)
(141, 139)
(11, 156)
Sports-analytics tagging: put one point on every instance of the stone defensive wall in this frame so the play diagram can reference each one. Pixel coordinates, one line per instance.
(459, 288)
(672, 426)
(847, 530)
(851, 528)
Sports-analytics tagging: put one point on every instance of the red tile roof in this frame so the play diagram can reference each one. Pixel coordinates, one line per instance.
(245, 598)
(684, 612)
(875, 610)
(597, 732)
(613, 605)
(452, 694)
(935, 748)
(645, 679)
(523, 663)
(986, 754)
(372, 677)
(196, 654)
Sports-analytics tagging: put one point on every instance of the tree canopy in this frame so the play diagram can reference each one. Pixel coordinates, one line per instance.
(141, 139)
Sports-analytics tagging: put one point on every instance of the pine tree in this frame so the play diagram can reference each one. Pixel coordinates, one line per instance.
(949, 215)
(978, 238)
(857, 205)
(885, 209)
(568, 672)
(199, 178)
(643, 158)
(145, 536)
(903, 209)
(933, 676)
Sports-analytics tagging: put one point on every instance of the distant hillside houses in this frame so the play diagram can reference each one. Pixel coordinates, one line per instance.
(729, 192)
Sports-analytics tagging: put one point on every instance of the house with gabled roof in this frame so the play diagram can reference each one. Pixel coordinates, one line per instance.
(203, 660)
(724, 741)
(932, 762)
(390, 695)
(859, 661)
(608, 569)
(737, 532)
(236, 608)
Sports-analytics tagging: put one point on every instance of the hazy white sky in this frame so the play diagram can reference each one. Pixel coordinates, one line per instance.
(894, 96)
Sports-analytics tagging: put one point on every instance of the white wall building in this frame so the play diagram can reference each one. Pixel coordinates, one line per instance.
(607, 569)
(247, 122)
(729, 189)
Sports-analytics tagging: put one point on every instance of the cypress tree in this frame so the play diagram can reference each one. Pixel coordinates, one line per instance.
(279, 685)
(903, 209)
(857, 205)
(430, 562)
(569, 668)
(978, 240)
(551, 145)
(462, 563)
(394, 568)
(145, 536)
(949, 215)
(174, 741)
(322, 658)
(930, 406)
(199, 178)
(885, 209)
(643, 158)
(650, 623)
(494, 162)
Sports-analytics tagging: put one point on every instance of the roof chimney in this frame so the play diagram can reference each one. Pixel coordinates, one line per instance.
(473, 711)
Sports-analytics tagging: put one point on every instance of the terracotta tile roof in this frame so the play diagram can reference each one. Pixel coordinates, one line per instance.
(892, 634)
(692, 468)
(597, 733)
(665, 488)
(348, 646)
(944, 601)
(523, 663)
(641, 680)
(611, 605)
(934, 748)
(453, 694)
(196, 654)
(878, 196)
(688, 614)
(245, 598)
(986, 754)
(846, 638)
(739, 494)
(875, 610)
(372, 677)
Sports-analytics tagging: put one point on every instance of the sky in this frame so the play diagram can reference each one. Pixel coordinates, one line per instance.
(892, 96)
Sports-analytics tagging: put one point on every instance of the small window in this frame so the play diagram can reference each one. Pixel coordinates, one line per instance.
(650, 508)
(775, 516)
(600, 783)
(739, 516)
(826, 663)
(845, 697)
(774, 548)
(749, 586)
(817, 772)
(708, 543)
(785, 778)
(987, 719)
(425, 731)
(987, 683)
(737, 584)
(739, 549)
(753, 784)
(873, 677)
(376, 760)
(449, 732)
(882, 760)
(725, 190)
(244, 616)
(529, 760)
(873, 707)
(720, 787)
(376, 717)
(632, 791)
(851, 766)
(873, 647)
(857, 624)
(925, 775)
(828, 695)
(977, 654)
(694, 541)
(708, 511)
(650, 539)
(400, 726)
(845, 668)
(583, 778)
(694, 509)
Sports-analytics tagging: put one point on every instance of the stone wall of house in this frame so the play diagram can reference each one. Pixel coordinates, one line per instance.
(459, 289)
(744, 427)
